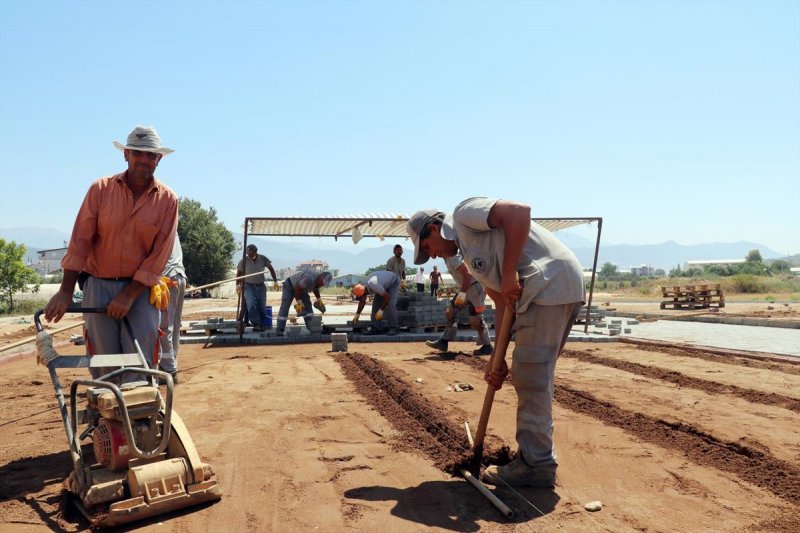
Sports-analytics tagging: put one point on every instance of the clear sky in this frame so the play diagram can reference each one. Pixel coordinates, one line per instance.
(671, 120)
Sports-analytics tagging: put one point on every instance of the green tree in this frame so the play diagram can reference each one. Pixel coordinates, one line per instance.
(608, 270)
(14, 275)
(376, 269)
(754, 256)
(780, 265)
(207, 244)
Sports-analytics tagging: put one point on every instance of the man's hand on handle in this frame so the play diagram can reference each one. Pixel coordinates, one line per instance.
(57, 306)
(495, 379)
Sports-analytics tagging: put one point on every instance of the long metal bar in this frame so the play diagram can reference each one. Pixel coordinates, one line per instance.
(503, 508)
(594, 274)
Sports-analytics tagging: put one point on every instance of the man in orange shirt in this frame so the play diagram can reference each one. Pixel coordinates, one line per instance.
(121, 240)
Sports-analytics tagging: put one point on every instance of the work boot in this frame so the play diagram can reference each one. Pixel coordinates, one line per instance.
(486, 349)
(375, 331)
(173, 373)
(518, 473)
(439, 344)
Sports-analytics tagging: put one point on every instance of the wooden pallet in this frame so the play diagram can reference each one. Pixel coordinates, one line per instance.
(680, 291)
(673, 304)
(699, 296)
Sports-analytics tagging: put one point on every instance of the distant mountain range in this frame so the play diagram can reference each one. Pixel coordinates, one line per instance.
(355, 259)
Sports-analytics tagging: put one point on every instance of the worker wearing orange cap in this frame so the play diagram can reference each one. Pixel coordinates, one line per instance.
(385, 286)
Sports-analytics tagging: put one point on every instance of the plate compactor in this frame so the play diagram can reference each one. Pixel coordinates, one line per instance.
(145, 462)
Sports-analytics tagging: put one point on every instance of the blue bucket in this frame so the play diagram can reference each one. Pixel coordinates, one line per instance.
(268, 320)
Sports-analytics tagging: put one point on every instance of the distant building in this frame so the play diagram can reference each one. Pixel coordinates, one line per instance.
(643, 270)
(49, 261)
(347, 280)
(709, 262)
(314, 265)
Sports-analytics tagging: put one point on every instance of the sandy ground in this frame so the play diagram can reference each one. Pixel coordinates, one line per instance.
(303, 439)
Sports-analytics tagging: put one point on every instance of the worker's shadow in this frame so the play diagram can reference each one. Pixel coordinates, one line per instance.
(24, 479)
(456, 505)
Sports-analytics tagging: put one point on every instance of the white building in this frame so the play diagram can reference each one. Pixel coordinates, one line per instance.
(709, 262)
(49, 261)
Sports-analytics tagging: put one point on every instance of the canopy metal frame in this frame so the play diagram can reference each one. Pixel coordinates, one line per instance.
(383, 225)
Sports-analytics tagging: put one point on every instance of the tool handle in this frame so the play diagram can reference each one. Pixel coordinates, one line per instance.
(500, 346)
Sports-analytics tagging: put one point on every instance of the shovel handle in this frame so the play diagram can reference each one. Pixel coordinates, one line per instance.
(499, 354)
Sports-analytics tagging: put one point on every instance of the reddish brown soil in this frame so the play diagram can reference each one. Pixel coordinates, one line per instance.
(779, 477)
(682, 380)
(304, 440)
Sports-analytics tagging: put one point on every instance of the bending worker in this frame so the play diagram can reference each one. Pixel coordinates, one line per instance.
(471, 294)
(385, 286)
(296, 287)
(121, 240)
(527, 270)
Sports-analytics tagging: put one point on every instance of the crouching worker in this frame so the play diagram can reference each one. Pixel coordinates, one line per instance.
(385, 286)
(471, 294)
(296, 287)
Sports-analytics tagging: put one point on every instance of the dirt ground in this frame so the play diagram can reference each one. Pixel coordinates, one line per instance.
(304, 439)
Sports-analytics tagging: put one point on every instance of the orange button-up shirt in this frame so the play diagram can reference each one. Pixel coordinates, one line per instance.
(114, 237)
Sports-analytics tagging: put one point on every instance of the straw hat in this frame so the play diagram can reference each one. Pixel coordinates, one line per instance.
(144, 139)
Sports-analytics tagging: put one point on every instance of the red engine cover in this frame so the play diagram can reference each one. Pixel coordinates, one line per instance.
(110, 445)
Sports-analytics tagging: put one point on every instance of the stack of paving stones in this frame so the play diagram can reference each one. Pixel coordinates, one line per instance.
(419, 310)
(596, 314)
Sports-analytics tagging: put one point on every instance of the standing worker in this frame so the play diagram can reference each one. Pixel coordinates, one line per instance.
(296, 287)
(255, 289)
(397, 264)
(419, 279)
(170, 336)
(385, 286)
(526, 269)
(436, 277)
(472, 294)
(121, 240)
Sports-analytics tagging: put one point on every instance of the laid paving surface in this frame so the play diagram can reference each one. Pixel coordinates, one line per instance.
(752, 338)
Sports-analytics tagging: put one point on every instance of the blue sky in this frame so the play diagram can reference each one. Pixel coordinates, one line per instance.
(671, 120)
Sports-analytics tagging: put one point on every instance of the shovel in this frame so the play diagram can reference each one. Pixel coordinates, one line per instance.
(499, 354)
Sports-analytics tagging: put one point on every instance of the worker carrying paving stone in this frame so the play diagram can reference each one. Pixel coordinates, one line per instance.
(385, 286)
(471, 294)
(296, 287)
(526, 270)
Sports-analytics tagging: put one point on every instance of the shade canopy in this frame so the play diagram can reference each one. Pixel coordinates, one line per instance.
(378, 225)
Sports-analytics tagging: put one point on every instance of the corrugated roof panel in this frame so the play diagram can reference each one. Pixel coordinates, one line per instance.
(370, 225)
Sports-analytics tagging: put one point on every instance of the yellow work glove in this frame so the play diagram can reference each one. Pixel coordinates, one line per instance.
(159, 293)
(299, 307)
(461, 298)
(356, 317)
(276, 286)
(379, 314)
(403, 285)
(320, 305)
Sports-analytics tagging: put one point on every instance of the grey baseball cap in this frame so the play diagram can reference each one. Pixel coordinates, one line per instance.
(415, 225)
